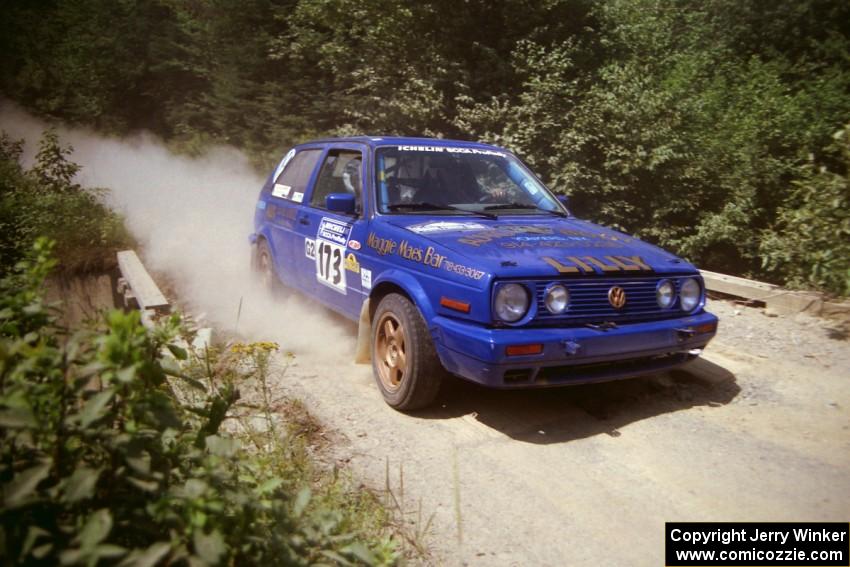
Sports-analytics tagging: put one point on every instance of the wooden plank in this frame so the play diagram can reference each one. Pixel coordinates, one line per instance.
(145, 290)
(777, 300)
(739, 287)
(792, 302)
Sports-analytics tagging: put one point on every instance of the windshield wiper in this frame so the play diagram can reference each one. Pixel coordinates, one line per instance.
(425, 206)
(524, 207)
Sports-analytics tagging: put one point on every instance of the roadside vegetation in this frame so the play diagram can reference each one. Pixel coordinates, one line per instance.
(120, 445)
(125, 446)
(44, 200)
(706, 127)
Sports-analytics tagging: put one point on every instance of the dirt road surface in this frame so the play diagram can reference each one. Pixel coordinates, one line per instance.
(757, 430)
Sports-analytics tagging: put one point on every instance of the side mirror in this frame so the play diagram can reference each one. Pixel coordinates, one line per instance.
(564, 200)
(344, 203)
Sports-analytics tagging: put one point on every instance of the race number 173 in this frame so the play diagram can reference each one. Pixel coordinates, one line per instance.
(329, 264)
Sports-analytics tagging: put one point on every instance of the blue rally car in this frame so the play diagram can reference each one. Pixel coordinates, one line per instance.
(453, 257)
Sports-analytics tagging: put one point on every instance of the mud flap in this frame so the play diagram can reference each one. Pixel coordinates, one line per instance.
(363, 352)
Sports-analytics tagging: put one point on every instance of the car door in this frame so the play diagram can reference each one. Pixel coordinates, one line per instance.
(287, 197)
(333, 273)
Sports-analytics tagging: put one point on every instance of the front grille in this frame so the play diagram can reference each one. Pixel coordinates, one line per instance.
(589, 301)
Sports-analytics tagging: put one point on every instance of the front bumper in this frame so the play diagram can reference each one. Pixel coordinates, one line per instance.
(572, 355)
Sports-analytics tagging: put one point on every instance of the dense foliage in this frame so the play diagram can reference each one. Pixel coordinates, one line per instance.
(45, 201)
(701, 125)
(100, 464)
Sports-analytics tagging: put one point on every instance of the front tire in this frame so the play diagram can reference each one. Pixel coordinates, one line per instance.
(404, 361)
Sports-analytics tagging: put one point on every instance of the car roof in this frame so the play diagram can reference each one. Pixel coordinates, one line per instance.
(376, 141)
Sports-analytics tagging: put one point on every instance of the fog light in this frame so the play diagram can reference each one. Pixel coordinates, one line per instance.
(665, 294)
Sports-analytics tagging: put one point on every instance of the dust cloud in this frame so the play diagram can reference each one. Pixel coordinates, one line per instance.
(192, 218)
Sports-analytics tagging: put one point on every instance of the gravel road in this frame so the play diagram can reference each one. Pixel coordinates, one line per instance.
(758, 429)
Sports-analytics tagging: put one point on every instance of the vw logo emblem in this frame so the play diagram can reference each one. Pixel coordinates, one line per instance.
(617, 297)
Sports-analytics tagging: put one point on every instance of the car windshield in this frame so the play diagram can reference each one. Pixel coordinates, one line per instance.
(457, 180)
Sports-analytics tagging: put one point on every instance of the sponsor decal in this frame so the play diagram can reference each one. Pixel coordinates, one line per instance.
(445, 226)
(383, 246)
(545, 241)
(281, 191)
(490, 234)
(590, 264)
(451, 150)
(334, 231)
(547, 238)
(557, 243)
(331, 239)
(354, 244)
(310, 248)
(464, 270)
(427, 256)
(366, 278)
(298, 197)
(531, 187)
(540, 236)
(351, 263)
(596, 235)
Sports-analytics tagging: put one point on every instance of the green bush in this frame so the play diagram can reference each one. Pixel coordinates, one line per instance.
(99, 464)
(810, 245)
(45, 201)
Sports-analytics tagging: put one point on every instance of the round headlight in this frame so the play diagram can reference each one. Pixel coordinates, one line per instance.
(511, 302)
(557, 298)
(690, 294)
(665, 294)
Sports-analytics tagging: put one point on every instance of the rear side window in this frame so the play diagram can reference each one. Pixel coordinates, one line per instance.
(292, 181)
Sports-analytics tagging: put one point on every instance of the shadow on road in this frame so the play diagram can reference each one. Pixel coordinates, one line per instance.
(568, 413)
(565, 414)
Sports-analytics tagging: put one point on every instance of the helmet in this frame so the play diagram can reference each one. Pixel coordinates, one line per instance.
(351, 176)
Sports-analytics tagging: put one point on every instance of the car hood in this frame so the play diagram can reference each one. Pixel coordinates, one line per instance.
(535, 246)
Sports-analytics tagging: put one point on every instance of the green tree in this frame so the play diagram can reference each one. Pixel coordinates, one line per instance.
(810, 243)
(45, 201)
(689, 123)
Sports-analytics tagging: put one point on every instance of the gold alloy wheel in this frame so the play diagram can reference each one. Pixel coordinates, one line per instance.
(389, 347)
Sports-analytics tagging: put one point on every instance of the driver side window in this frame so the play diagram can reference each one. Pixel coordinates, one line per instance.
(341, 172)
